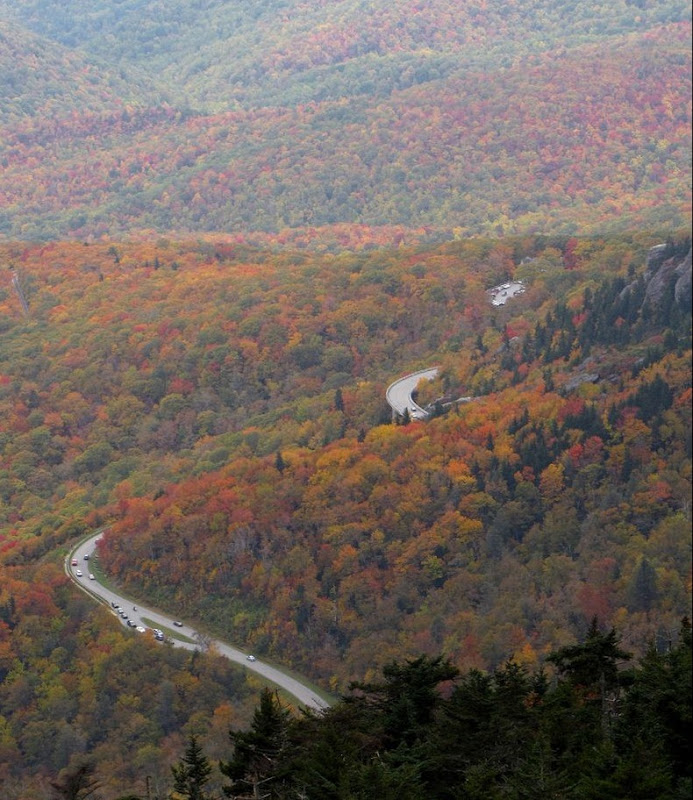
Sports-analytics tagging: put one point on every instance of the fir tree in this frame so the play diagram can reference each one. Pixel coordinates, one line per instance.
(191, 773)
(255, 765)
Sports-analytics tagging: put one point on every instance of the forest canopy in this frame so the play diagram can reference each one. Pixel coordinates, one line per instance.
(226, 227)
(492, 119)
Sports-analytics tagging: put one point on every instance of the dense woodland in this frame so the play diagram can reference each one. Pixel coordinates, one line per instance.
(423, 731)
(490, 119)
(225, 228)
(599, 728)
(222, 410)
(291, 51)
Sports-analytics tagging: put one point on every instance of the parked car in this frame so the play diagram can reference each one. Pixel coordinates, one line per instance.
(251, 658)
(178, 624)
(141, 629)
(73, 562)
(91, 577)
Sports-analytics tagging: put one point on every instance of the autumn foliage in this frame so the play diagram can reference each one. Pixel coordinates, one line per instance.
(481, 126)
(222, 409)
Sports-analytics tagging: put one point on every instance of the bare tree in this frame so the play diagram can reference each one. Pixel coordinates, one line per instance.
(76, 782)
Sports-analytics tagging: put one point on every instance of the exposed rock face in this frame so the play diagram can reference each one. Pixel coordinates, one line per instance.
(664, 268)
(682, 290)
(578, 380)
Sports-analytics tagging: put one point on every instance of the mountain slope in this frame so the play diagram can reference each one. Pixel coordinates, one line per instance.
(42, 79)
(219, 52)
(225, 410)
(589, 139)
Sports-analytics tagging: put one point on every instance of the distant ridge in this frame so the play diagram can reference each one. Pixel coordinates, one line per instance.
(227, 119)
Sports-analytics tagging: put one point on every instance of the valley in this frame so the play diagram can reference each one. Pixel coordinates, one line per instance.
(359, 336)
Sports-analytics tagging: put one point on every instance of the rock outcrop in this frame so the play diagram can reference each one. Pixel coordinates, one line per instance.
(666, 265)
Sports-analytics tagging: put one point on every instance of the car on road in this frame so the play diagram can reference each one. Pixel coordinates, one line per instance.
(78, 573)
(73, 562)
(141, 629)
(178, 624)
(251, 658)
(86, 556)
(91, 577)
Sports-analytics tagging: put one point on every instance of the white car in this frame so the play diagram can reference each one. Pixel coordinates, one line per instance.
(78, 573)
(91, 577)
(251, 658)
(140, 629)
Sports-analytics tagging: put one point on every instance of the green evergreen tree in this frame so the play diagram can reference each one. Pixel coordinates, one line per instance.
(505, 736)
(643, 591)
(657, 712)
(489, 737)
(595, 662)
(326, 747)
(581, 709)
(256, 764)
(408, 696)
(191, 773)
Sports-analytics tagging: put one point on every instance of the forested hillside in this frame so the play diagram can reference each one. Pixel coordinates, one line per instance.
(75, 685)
(45, 80)
(226, 226)
(222, 410)
(423, 731)
(220, 53)
(485, 119)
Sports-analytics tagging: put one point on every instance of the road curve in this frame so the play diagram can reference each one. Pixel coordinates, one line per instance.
(398, 394)
(303, 694)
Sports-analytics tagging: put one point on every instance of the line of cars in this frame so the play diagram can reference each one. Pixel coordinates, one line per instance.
(158, 634)
(121, 612)
(78, 572)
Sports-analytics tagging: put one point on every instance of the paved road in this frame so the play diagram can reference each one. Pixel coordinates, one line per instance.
(304, 695)
(398, 394)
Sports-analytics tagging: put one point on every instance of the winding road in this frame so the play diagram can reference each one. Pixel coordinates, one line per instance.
(398, 394)
(180, 634)
(148, 618)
